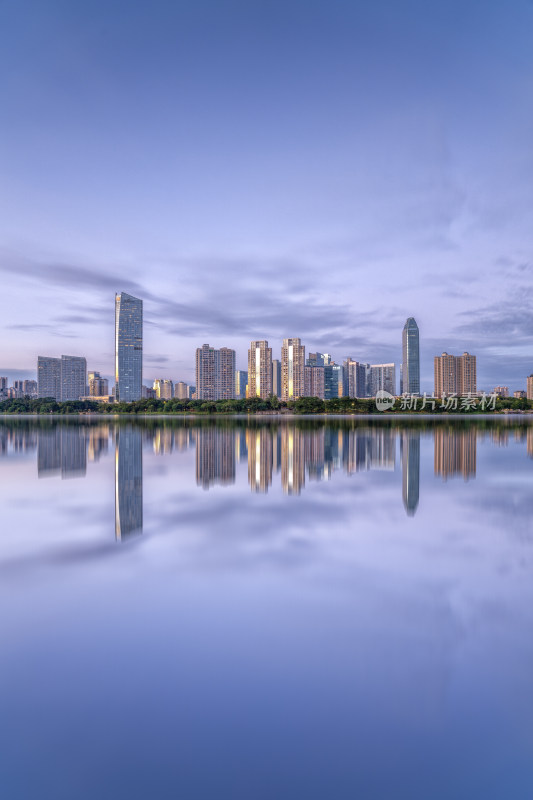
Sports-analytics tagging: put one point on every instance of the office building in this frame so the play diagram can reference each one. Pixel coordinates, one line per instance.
(529, 387)
(73, 377)
(276, 377)
(128, 348)
(49, 377)
(410, 367)
(292, 369)
(455, 374)
(333, 380)
(381, 377)
(181, 390)
(215, 373)
(163, 388)
(259, 369)
(97, 386)
(241, 382)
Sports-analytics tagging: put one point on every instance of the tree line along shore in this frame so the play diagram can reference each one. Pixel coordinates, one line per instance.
(253, 405)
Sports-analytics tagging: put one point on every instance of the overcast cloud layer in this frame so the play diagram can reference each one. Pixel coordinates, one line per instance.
(261, 170)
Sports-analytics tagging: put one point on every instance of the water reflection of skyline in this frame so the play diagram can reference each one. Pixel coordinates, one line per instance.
(288, 453)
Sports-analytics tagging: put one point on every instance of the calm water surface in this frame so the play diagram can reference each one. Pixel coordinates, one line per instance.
(257, 610)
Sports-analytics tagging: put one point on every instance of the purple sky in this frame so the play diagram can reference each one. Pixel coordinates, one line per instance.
(261, 170)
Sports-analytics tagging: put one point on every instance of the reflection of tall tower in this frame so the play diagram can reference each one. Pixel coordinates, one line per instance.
(215, 456)
(128, 483)
(410, 450)
(292, 459)
(455, 452)
(259, 444)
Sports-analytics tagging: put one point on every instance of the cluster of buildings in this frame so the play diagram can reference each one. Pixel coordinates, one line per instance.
(289, 377)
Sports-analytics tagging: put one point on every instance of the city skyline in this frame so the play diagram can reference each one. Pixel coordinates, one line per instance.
(352, 181)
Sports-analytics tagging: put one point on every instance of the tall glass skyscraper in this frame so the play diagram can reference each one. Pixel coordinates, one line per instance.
(128, 348)
(410, 372)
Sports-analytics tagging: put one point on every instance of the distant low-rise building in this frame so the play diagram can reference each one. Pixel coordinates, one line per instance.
(97, 386)
(520, 394)
(501, 391)
(164, 389)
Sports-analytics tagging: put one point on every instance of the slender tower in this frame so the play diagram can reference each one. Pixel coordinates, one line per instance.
(128, 348)
(410, 371)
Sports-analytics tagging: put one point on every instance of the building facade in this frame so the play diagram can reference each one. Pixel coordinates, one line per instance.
(98, 386)
(355, 378)
(49, 377)
(529, 387)
(215, 373)
(73, 377)
(410, 369)
(455, 374)
(292, 369)
(164, 389)
(314, 381)
(276, 377)
(381, 377)
(259, 369)
(241, 382)
(128, 348)
(181, 390)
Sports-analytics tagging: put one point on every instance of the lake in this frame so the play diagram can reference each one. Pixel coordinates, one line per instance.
(266, 609)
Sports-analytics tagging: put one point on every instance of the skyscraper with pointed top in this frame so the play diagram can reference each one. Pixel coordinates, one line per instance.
(410, 370)
(128, 348)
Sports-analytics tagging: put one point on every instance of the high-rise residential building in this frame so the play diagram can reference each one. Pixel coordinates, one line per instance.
(49, 377)
(259, 369)
(529, 387)
(455, 374)
(314, 381)
(73, 377)
(381, 377)
(356, 378)
(18, 386)
(128, 348)
(164, 389)
(215, 373)
(181, 390)
(98, 386)
(410, 368)
(241, 382)
(319, 360)
(3, 387)
(225, 376)
(501, 391)
(276, 377)
(292, 369)
(520, 394)
(206, 372)
(29, 388)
